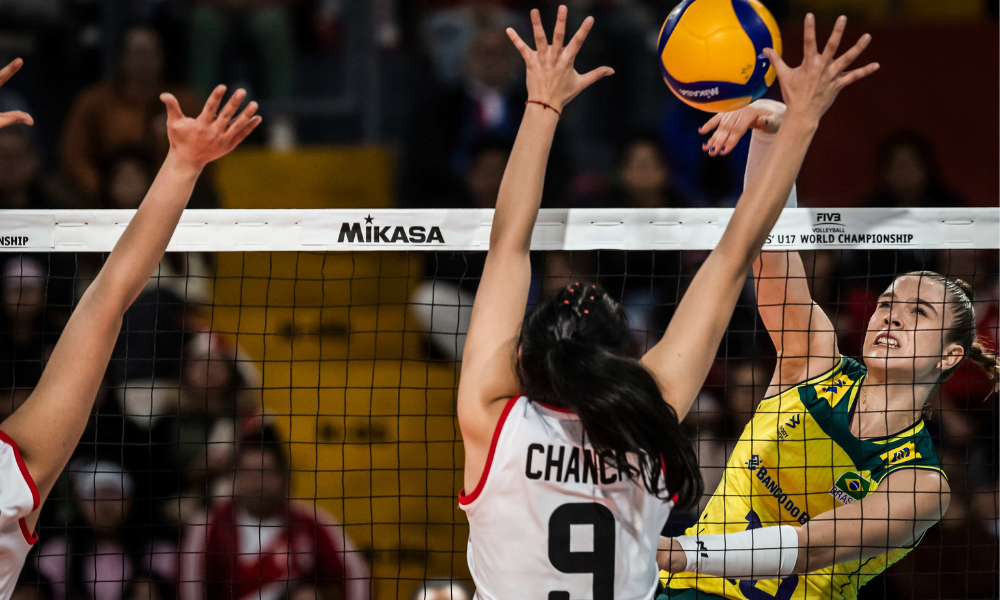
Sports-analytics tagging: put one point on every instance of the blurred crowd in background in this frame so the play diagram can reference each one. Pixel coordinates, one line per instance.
(177, 435)
(435, 79)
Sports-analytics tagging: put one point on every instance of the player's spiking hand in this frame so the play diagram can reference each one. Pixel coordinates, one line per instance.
(13, 116)
(811, 88)
(212, 134)
(730, 127)
(551, 77)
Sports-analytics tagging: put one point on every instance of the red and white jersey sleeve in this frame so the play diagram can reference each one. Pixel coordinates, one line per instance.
(551, 518)
(18, 497)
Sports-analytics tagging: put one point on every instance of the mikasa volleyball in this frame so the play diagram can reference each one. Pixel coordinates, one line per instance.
(711, 52)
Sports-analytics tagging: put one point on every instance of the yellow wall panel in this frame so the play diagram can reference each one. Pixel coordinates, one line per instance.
(346, 177)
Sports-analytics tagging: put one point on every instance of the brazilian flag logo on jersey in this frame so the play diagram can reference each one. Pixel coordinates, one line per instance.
(850, 487)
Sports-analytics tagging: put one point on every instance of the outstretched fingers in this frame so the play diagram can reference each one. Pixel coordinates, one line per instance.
(519, 44)
(244, 131)
(851, 76)
(711, 123)
(746, 121)
(241, 121)
(835, 37)
(13, 67)
(212, 104)
(852, 53)
(231, 107)
(15, 116)
(541, 42)
(780, 67)
(590, 77)
(713, 144)
(577, 42)
(173, 107)
(559, 34)
(809, 47)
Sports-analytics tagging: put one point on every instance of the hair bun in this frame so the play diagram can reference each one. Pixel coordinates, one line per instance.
(965, 287)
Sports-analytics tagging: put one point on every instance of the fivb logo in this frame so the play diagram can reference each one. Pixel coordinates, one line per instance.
(828, 222)
(370, 233)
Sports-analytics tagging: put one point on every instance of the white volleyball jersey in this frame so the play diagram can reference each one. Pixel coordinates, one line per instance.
(551, 520)
(18, 497)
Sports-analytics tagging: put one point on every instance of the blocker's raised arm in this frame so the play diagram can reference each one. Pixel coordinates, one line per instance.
(681, 360)
(48, 426)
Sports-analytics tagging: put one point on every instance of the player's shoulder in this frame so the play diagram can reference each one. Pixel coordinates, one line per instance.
(912, 448)
(482, 420)
(852, 368)
(833, 385)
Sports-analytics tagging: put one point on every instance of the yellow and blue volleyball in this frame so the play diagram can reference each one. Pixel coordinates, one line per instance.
(712, 52)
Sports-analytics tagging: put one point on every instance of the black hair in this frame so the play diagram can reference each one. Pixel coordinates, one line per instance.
(958, 299)
(576, 352)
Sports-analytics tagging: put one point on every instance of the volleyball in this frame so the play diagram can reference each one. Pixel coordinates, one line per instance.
(711, 52)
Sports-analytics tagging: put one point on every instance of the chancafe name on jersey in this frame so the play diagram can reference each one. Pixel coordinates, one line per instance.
(548, 461)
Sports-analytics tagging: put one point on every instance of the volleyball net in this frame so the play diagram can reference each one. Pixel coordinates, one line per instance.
(335, 337)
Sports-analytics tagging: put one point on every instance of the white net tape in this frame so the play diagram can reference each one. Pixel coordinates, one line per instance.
(456, 229)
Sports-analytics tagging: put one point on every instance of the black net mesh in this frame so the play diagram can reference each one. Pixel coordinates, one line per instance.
(282, 425)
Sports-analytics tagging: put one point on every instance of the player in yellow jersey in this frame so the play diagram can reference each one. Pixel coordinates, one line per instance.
(835, 478)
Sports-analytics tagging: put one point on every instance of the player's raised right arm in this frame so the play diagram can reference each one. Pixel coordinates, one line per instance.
(488, 362)
(681, 360)
(803, 335)
(48, 426)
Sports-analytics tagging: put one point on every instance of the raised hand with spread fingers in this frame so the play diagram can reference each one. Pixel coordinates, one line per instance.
(812, 87)
(730, 127)
(552, 82)
(49, 424)
(213, 133)
(551, 77)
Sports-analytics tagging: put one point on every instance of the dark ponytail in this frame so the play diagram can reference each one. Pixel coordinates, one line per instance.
(575, 352)
(959, 297)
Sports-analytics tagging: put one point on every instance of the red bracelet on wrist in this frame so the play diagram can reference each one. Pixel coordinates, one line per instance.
(544, 105)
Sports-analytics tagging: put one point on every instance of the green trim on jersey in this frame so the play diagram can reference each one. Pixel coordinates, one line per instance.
(830, 399)
(797, 459)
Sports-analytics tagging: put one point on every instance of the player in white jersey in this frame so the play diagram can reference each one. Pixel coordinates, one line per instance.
(37, 440)
(574, 452)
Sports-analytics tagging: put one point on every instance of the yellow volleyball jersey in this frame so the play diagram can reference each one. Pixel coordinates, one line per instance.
(796, 459)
